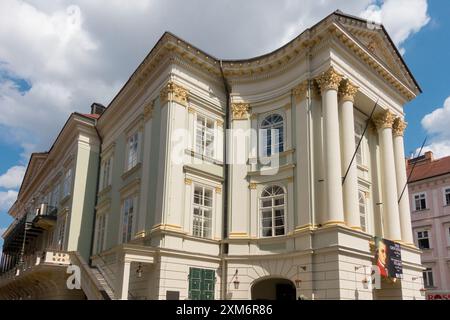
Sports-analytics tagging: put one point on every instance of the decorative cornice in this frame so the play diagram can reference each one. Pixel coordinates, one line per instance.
(329, 80)
(300, 90)
(148, 110)
(174, 92)
(384, 119)
(347, 90)
(240, 110)
(399, 127)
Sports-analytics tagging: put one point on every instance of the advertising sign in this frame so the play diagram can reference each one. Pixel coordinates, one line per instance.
(388, 258)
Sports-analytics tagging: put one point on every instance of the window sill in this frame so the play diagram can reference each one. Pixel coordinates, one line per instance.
(421, 210)
(362, 167)
(128, 173)
(194, 154)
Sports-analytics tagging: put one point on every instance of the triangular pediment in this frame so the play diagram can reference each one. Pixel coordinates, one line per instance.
(34, 165)
(377, 41)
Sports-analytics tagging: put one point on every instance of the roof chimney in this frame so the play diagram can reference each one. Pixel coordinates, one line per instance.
(425, 158)
(97, 108)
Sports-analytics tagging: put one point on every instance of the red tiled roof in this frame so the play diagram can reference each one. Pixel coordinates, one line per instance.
(429, 169)
(90, 115)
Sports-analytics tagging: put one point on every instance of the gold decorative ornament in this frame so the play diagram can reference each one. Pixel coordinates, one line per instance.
(218, 190)
(300, 90)
(240, 111)
(187, 181)
(399, 127)
(174, 92)
(252, 186)
(329, 80)
(384, 119)
(347, 90)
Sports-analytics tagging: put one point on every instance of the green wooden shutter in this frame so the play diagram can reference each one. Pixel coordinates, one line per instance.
(208, 277)
(195, 280)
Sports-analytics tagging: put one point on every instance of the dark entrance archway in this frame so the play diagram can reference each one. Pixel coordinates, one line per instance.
(274, 289)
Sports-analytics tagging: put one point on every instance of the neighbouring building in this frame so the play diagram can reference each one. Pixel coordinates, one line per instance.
(53, 216)
(224, 179)
(429, 190)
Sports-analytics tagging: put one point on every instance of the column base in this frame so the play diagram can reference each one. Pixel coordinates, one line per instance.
(333, 222)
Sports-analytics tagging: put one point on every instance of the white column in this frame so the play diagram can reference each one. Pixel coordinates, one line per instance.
(124, 279)
(391, 219)
(329, 83)
(350, 186)
(400, 168)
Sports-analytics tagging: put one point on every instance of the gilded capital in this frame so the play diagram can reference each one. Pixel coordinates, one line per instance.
(174, 92)
(384, 119)
(399, 127)
(148, 110)
(329, 80)
(300, 90)
(240, 110)
(347, 90)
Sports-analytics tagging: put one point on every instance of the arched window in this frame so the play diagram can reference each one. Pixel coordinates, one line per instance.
(272, 134)
(272, 209)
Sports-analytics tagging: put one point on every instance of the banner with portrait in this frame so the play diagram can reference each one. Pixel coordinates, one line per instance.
(388, 258)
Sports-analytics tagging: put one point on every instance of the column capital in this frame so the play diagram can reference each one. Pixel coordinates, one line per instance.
(240, 110)
(329, 80)
(399, 126)
(347, 90)
(174, 92)
(148, 110)
(384, 119)
(300, 90)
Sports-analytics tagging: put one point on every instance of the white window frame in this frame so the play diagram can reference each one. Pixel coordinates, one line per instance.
(202, 150)
(67, 183)
(127, 236)
(101, 228)
(202, 208)
(362, 193)
(420, 235)
(106, 173)
(444, 193)
(262, 135)
(130, 163)
(419, 194)
(273, 207)
(426, 278)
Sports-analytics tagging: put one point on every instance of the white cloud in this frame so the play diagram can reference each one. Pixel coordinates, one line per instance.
(75, 52)
(7, 198)
(436, 125)
(402, 18)
(12, 178)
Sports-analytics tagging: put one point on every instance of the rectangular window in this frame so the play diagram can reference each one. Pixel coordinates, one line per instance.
(54, 202)
(423, 240)
(428, 278)
(362, 210)
(128, 216)
(447, 196)
(132, 149)
(61, 232)
(204, 136)
(67, 184)
(201, 284)
(202, 214)
(420, 202)
(106, 173)
(358, 135)
(100, 233)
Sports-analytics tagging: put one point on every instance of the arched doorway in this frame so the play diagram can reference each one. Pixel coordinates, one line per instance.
(274, 289)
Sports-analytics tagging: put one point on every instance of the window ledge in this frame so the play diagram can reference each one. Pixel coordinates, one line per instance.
(194, 154)
(362, 167)
(421, 210)
(128, 173)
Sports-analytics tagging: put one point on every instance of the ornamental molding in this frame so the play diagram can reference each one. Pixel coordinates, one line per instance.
(174, 92)
(347, 90)
(252, 186)
(329, 80)
(399, 127)
(240, 110)
(300, 91)
(384, 119)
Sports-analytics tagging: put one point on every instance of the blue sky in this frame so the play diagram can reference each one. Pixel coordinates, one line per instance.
(57, 57)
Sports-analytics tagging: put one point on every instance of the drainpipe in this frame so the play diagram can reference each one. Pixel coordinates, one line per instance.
(223, 245)
(96, 192)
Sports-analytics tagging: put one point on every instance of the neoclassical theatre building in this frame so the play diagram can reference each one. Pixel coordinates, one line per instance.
(242, 179)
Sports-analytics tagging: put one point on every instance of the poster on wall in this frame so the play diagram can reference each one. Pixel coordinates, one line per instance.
(388, 258)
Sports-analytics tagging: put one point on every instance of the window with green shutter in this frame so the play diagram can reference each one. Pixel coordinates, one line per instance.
(201, 284)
